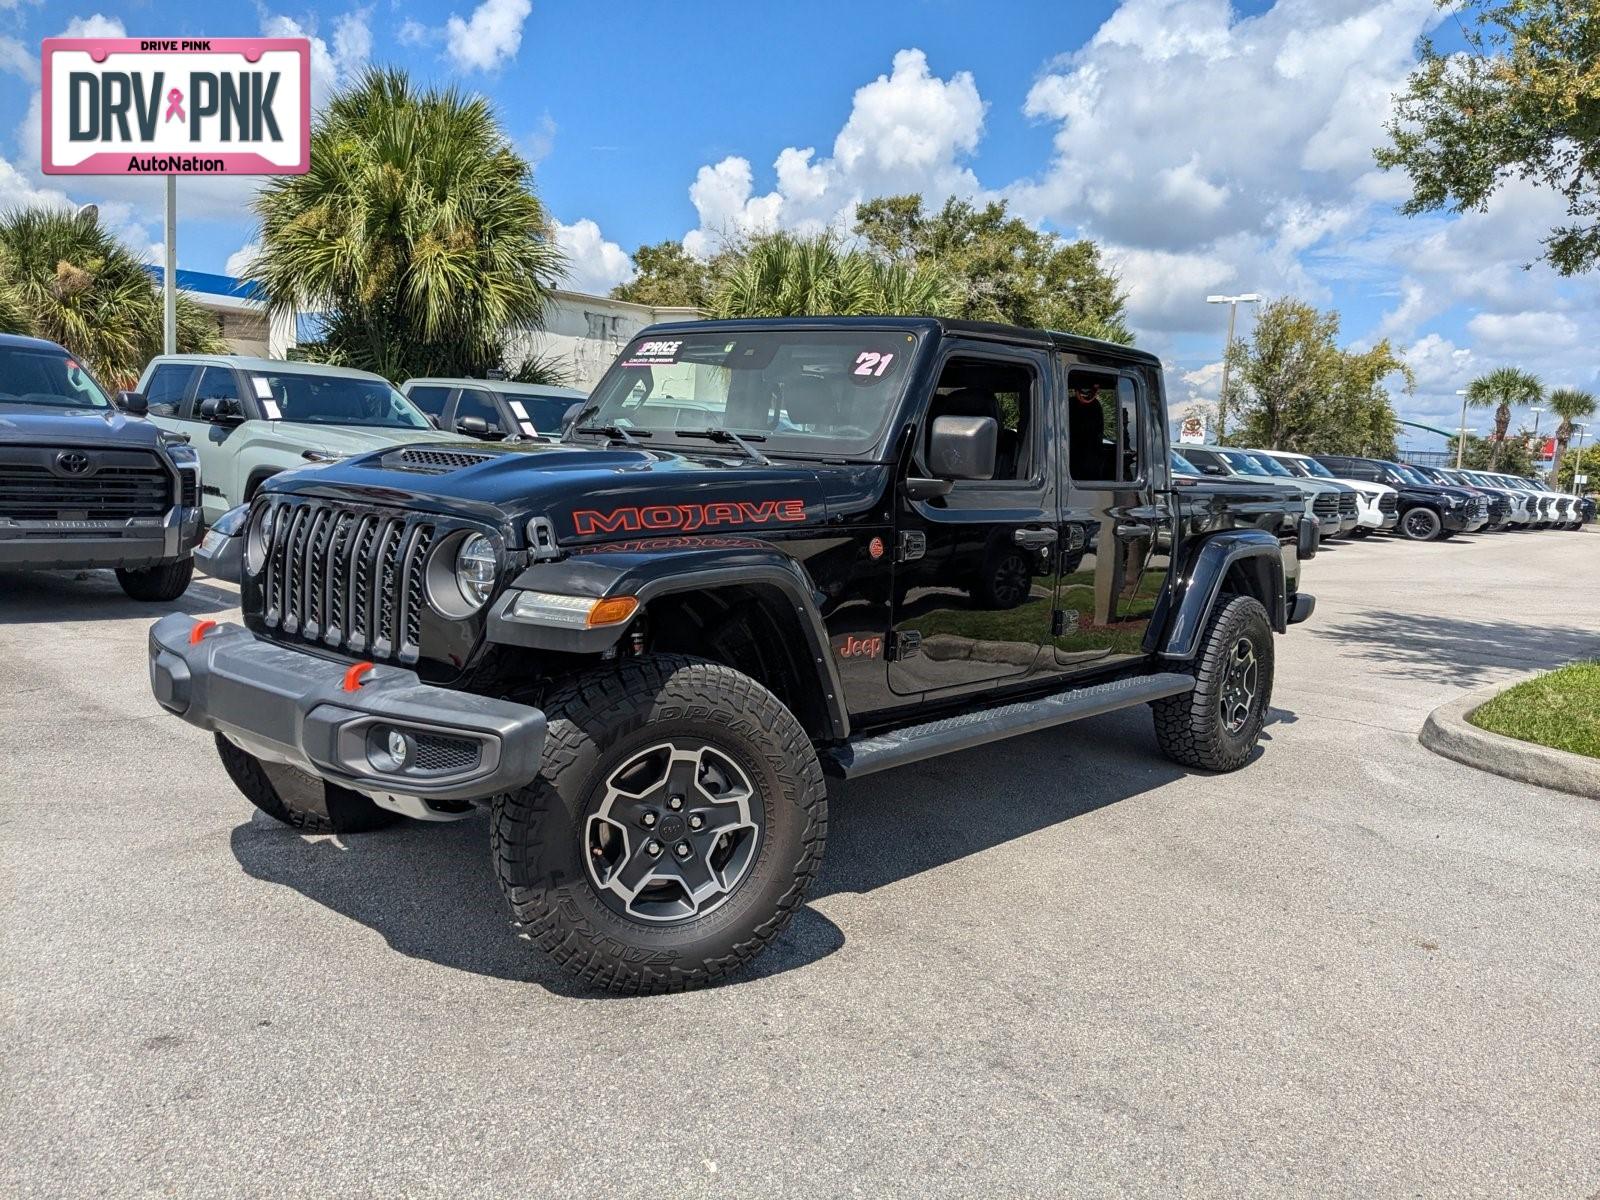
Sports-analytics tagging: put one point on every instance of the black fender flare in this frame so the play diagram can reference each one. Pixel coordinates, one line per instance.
(1198, 582)
(649, 571)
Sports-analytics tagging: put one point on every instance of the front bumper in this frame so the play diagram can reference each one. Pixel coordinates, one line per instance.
(134, 542)
(290, 706)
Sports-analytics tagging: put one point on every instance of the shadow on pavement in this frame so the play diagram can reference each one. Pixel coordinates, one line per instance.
(1458, 650)
(39, 597)
(430, 890)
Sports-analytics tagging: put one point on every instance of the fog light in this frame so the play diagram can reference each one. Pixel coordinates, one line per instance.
(390, 750)
(399, 746)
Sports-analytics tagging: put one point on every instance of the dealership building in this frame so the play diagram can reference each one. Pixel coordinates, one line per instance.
(581, 333)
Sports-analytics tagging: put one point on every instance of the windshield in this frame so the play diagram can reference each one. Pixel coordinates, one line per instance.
(47, 378)
(1313, 468)
(1272, 466)
(1240, 462)
(334, 400)
(544, 413)
(1182, 466)
(825, 392)
(1412, 475)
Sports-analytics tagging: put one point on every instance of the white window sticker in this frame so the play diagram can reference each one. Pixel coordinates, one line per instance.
(527, 428)
(270, 407)
(263, 387)
(521, 409)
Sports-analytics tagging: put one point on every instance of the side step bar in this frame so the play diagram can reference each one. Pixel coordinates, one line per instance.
(878, 752)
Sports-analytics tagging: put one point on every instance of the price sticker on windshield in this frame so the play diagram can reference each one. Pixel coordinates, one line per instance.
(654, 354)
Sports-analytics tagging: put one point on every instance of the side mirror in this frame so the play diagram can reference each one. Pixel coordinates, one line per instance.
(963, 447)
(473, 426)
(571, 415)
(1308, 538)
(133, 403)
(224, 410)
(432, 420)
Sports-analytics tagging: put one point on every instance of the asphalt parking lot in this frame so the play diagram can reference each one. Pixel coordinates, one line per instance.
(1056, 965)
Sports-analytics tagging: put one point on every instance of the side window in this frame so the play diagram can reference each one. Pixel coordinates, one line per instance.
(166, 389)
(1103, 428)
(1006, 390)
(478, 404)
(1204, 461)
(429, 399)
(216, 383)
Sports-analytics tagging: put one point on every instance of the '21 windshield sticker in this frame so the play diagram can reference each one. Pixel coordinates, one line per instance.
(654, 354)
(872, 364)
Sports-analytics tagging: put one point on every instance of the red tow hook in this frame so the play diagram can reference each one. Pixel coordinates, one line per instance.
(354, 676)
(201, 628)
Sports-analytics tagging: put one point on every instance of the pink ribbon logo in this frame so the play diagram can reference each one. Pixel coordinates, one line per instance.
(175, 105)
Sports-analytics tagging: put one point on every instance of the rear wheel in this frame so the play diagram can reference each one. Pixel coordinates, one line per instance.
(1421, 524)
(300, 801)
(160, 583)
(1216, 726)
(676, 822)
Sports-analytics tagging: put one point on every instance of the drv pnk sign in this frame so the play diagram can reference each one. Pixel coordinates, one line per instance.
(177, 106)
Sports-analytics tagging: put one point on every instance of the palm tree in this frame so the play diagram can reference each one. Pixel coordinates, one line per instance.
(1569, 404)
(416, 230)
(790, 275)
(70, 280)
(1503, 389)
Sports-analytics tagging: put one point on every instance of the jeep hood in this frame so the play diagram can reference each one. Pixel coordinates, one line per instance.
(593, 494)
(28, 423)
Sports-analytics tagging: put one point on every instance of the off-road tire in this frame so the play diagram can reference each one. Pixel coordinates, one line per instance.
(1190, 728)
(596, 722)
(312, 806)
(1006, 581)
(160, 583)
(1421, 524)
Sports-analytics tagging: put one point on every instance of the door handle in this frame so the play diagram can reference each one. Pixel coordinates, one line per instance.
(1135, 529)
(1035, 539)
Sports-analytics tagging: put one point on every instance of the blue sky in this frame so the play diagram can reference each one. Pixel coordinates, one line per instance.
(1208, 147)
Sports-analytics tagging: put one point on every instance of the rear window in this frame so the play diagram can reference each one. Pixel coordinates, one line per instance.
(429, 399)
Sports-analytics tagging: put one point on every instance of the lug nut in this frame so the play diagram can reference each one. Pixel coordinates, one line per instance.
(696, 821)
(675, 803)
(652, 848)
(648, 820)
(683, 849)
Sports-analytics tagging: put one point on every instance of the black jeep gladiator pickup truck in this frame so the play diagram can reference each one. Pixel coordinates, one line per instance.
(84, 483)
(765, 551)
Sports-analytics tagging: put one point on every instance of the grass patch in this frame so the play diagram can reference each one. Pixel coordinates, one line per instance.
(1561, 709)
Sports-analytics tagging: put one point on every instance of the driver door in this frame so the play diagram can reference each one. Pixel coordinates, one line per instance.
(216, 441)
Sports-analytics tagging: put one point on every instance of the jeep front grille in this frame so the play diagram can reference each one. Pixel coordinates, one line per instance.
(36, 484)
(347, 578)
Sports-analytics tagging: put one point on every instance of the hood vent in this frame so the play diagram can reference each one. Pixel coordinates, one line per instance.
(428, 461)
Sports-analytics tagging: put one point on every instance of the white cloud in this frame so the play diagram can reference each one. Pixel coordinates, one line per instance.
(594, 265)
(414, 33)
(489, 38)
(17, 191)
(334, 65)
(240, 259)
(908, 130)
(97, 25)
(1518, 332)
(18, 60)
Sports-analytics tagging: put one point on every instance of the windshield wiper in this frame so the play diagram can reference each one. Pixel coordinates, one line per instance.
(727, 437)
(615, 433)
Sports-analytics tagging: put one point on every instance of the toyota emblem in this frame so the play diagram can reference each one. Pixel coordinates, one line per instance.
(71, 462)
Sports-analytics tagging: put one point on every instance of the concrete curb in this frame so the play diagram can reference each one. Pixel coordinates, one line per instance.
(1447, 732)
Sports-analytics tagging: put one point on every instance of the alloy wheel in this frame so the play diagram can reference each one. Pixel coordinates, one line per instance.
(1239, 685)
(675, 832)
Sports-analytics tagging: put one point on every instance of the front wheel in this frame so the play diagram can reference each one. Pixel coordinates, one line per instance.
(160, 583)
(1216, 726)
(676, 822)
(1421, 525)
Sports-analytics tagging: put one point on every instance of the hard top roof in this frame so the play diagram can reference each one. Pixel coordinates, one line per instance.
(944, 326)
(276, 366)
(498, 385)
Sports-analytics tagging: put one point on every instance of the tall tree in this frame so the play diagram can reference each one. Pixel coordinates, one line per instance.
(1571, 405)
(416, 230)
(68, 278)
(1503, 389)
(668, 276)
(1004, 269)
(1292, 387)
(1514, 457)
(1523, 102)
(785, 274)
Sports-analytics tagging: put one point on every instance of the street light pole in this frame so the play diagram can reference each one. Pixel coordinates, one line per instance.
(1577, 467)
(1233, 303)
(1536, 455)
(1461, 433)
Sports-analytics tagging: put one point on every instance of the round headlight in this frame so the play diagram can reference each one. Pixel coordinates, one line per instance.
(258, 541)
(476, 567)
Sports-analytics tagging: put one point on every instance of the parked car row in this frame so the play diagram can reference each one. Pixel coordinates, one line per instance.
(1350, 494)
